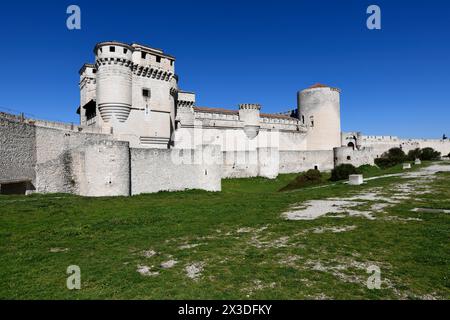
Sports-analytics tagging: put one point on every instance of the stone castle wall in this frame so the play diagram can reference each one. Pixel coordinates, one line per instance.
(17, 151)
(299, 161)
(346, 155)
(87, 164)
(154, 170)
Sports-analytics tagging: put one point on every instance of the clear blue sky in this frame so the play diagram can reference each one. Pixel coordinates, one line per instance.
(394, 81)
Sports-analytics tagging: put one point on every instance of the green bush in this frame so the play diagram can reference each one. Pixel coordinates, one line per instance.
(368, 169)
(395, 154)
(342, 171)
(429, 154)
(390, 158)
(305, 179)
(384, 163)
(413, 154)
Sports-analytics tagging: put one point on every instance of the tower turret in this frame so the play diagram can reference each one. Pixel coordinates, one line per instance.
(114, 80)
(249, 113)
(319, 110)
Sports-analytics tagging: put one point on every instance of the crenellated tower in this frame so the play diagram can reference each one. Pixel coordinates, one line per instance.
(114, 81)
(249, 113)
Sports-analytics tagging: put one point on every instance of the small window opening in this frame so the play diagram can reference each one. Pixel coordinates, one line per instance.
(143, 55)
(146, 93)
(316, 168)
(171, 62)
(112, 49)
(125, 50)
(158, 59)
(349, 158)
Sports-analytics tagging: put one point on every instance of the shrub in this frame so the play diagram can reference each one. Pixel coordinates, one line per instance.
(384, 163)
(390, 158)
(413, 154)
(342, 171)
(429, 154)
(395, 155)
(368, 169)
(305, 179)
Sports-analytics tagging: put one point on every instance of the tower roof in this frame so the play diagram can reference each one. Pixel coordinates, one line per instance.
(318, 85)
(321, 85)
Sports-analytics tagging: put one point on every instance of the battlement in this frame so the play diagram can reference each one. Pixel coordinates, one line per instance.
(249, 106)
(52, 124)
(185, 99)
(144, 61)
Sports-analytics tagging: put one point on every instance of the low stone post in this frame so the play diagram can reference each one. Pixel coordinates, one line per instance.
(355, 179)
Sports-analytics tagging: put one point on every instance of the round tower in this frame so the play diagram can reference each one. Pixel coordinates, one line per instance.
(319, 111)
(114, 80)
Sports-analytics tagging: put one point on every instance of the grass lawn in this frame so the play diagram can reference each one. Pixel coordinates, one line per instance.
(236, 244)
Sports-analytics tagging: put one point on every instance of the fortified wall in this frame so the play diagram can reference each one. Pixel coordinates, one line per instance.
(42, 159)
(358, 149)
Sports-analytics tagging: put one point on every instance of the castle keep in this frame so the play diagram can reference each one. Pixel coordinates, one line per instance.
(140, 133)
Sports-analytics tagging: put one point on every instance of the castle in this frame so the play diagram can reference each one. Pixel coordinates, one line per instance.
(140, 133)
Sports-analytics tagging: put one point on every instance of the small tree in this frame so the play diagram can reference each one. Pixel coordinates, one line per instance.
(413, 154)
(390, 158)
(305, 179)
(384, 163)
(429, 154)
(396, 155)
(342, 171)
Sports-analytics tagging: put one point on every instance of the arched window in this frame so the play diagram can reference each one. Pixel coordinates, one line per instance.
(351, 144)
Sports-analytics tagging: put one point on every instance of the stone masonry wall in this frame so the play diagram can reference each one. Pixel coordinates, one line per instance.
(299, 161)
(17, 151)
(154, 170)
(102, 169)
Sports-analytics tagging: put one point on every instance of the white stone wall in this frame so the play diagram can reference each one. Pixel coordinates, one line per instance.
(54, 160)
(299, 161)
(231, 138)
(154, 170)
(17, 150)
(347, 155)
(101, 169)
(240, 164)
(372, 147)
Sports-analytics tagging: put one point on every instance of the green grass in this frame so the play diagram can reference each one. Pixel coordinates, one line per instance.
(247, 248)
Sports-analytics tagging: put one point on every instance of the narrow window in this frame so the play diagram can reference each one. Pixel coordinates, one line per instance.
(158, 59)
(349, 158)
(171, 62)
(146, 93)
(125, 50)
(112, 49)
(312, 123)
(303, 119)
(143, 55)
